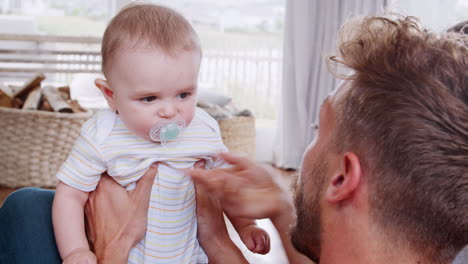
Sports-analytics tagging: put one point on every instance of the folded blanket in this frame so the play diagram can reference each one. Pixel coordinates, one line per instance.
(222, 112)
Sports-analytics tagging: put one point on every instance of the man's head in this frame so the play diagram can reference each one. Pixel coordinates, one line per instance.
(151, 58)
(461, 28)
(398, 129)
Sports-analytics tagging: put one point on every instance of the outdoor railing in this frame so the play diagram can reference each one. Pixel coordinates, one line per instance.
(252, 77)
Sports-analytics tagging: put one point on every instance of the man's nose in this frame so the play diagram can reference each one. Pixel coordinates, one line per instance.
(167, 110)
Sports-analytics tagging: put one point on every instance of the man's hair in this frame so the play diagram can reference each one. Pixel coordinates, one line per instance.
(405, 114)
(461, 28)
(148, 26)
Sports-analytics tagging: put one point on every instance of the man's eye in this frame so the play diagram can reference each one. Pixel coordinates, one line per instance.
(148, 99)
(184, 95)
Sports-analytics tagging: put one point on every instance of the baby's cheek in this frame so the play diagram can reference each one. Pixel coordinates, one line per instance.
(140, 128)
(189, 111)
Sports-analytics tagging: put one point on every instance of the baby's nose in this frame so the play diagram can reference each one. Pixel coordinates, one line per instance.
(167, 110)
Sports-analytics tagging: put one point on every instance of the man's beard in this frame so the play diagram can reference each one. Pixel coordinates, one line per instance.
(306, 233)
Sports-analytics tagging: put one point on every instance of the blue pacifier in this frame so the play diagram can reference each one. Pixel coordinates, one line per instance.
(166, 130)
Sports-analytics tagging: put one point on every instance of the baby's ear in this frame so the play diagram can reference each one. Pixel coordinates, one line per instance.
(103, 85)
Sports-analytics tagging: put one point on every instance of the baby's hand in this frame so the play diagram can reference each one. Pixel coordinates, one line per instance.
(256, 239)
(80, 256)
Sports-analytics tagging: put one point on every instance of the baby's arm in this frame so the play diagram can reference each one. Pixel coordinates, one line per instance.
(255, 239)
(69, 227)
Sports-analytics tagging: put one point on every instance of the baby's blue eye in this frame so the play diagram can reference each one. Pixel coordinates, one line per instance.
(184, 95)
(148, 99)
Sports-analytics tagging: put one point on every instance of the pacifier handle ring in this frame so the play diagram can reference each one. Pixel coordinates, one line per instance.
(156, 132)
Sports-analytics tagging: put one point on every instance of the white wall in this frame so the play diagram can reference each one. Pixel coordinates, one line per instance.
(435, 14)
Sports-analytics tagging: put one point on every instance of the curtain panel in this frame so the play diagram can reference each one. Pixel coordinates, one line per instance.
(311, 28)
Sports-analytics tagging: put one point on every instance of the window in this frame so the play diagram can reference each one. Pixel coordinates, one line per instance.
(57, 17)
(242, 49)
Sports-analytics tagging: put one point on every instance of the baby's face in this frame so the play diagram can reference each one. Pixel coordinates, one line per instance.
(150, 86)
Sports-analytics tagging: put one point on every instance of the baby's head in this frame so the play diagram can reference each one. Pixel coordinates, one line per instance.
(151, 58)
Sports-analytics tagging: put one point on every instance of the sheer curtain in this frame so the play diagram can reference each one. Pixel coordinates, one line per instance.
(310, 35)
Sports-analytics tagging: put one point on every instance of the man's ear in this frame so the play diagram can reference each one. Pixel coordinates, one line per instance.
(346, 180)
(103, 85)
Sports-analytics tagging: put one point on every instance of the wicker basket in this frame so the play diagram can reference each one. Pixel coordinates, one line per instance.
(34, 144)
(238, 134)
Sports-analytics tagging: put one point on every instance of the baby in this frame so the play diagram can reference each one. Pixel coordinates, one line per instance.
(151, 58)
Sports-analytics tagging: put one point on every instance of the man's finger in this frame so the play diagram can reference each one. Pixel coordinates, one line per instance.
(105, 180)
(196, 174)
(202, 196)
(213, 182)
(201, 173)
(145, 184)
(89, 214)
(207, 178)
(207, 205)
(200, 164)
(237, 160)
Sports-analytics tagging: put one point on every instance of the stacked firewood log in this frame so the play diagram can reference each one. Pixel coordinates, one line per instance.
(32, 96)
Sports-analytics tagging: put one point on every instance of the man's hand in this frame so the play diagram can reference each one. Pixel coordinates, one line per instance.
(212, 233)
(117, 218)
(246, 189)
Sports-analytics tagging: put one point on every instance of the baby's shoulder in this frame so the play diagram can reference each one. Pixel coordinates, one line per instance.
(99, 126)
(204, 119)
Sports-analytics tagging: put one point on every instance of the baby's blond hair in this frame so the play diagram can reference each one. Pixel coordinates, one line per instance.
(149, 26)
